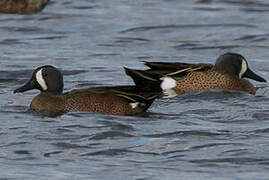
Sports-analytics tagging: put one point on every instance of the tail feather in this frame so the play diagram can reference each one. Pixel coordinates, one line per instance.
(144, 80)
(137, 97)
(145, 103)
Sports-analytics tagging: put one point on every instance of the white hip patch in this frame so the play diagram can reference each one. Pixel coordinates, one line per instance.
(168, 83)
(40, 80)
(134, 105)
(169, 93)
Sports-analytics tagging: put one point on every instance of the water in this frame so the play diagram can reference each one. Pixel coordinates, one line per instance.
(203, 135)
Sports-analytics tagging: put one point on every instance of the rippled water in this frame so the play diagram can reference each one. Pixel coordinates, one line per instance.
(204, 135)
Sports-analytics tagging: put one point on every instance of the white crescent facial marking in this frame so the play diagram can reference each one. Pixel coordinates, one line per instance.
(41, 80)
(244, 68)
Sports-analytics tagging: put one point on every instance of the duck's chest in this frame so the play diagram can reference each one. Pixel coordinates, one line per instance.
(47, 102)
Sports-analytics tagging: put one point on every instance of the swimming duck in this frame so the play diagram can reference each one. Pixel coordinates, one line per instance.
(117, 100)
(173, 79)
(22, 6)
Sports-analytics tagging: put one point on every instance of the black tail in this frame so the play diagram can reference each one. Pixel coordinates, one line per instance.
(133, 94)
(145, 100)
(145, 81)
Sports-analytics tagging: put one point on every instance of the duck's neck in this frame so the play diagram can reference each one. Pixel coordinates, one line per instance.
(50, 93)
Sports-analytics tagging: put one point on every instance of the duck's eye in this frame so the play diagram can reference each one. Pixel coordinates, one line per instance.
(45, 74)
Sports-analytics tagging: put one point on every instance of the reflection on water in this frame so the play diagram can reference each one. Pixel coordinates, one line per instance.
(203, 135)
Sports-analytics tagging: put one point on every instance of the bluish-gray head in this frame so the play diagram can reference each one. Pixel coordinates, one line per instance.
(236, 65)
(46, 79)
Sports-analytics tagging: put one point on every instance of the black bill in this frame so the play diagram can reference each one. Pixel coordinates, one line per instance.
(250, 74)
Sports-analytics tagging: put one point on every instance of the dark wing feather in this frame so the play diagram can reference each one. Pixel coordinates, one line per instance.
(175, 69)
(130, 93)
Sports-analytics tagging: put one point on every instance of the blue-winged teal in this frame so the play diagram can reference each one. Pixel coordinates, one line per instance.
(178, 78)
(22, 6)
(117, 100)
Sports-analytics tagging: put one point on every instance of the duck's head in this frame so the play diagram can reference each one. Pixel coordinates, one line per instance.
(46, 79)
(236, 65)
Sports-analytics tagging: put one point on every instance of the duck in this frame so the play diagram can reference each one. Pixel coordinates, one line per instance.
(176, 78)
(114, 100)
(22, 6)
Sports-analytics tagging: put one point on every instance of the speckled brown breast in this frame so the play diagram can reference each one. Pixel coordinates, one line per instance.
(47, 101)
(106, 103)
(211, 79)
(22, 6)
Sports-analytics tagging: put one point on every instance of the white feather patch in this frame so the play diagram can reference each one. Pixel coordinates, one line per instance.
(169, 93)
(41, 80)
(244, 68)
(134, 105)
(168, 83)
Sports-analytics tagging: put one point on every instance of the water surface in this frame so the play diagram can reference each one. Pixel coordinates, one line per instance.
(203, 135)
